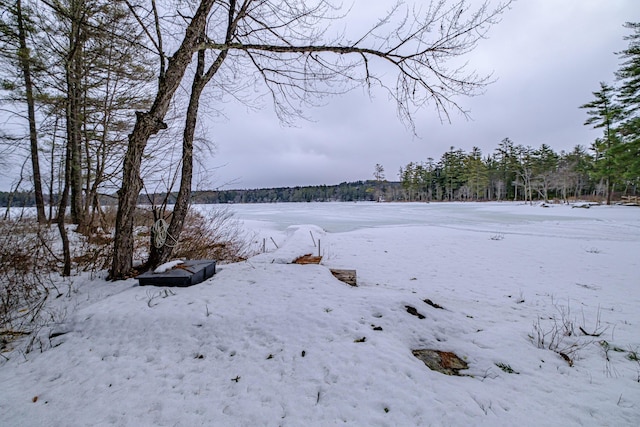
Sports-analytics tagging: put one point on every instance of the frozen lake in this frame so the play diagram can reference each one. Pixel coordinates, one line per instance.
(503, 218)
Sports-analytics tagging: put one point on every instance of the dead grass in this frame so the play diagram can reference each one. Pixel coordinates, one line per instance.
(218, 235)
(308, 259)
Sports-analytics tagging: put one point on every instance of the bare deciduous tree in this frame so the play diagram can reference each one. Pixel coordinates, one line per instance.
(289, 47)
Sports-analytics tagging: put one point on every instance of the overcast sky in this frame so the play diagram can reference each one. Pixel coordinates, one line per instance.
(547, 57)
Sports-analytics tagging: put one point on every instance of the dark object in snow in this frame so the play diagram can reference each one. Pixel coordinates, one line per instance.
(346, 276)
(433, 304)
(444, 362)
(186, 274)
(413, 311)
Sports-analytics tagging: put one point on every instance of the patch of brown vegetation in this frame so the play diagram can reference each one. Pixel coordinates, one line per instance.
(445, 362)
(307, 259)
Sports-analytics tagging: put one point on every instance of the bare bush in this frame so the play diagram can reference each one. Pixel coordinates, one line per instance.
(216, 235)
(558, 333)
(94, 249)
(26, 260)
(94, 252)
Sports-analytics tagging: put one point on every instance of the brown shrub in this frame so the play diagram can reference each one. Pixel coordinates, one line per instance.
(26, 260)
(214, 235)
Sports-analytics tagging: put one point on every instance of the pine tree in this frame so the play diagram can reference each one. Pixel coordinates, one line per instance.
(476, 173)
(606, 113)
(545, 168)
(16, 27)
(507, 164)
(452, 176)
(629, 75)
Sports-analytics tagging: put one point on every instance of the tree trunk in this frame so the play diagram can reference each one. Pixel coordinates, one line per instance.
(62, 208)
(609, 190)
(73, 70)
(148, 124)
(24, 57)
(181, 207)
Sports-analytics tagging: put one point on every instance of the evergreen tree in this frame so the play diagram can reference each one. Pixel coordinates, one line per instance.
(16, 28)
(606, 113)
(629, 73)
(452, 176)
(524, 175)
(545, 165)
(476, 174)
(629, 76)
(378, 173)
(507, 163)
(98, 77)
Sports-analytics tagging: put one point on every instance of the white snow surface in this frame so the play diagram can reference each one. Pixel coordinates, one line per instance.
(269, 343)
(163, 268)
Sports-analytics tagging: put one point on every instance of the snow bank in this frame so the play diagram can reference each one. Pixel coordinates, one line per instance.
(265, 342)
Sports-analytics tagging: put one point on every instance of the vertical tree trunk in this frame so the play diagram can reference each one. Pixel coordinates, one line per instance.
(62, 208)
(89, 170)
(73, 71)
(52, 176)
(148, 124)
(181, 207)
(24, 57)
(609, 190)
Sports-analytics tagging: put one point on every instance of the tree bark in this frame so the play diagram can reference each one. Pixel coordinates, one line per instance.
(609, 190)
(24, 57)
(200, 81)
(73, 71)
(147, 124)
(181, 206)
(62, 208)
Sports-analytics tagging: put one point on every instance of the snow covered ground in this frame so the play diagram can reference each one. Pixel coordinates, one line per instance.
(266, 342)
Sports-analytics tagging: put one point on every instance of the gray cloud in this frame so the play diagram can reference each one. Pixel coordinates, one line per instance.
(546, 56)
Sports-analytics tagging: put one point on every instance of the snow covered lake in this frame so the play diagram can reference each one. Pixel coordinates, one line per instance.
(492, 217)
(541, 303)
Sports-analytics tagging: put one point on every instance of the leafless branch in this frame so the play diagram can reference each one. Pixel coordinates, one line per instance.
(417, 48)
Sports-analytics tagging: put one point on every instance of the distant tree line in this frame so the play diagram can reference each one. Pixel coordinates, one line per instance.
(358, 191)
(17, 199)
(511, 172)
(610, 167)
